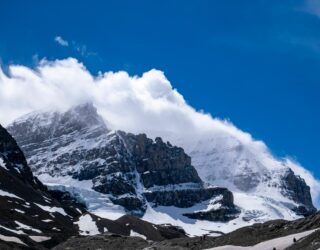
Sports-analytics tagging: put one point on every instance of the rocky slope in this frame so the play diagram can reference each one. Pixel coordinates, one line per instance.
(263, 186)
(33, 217)
(255, 234)
(29, 215)
(74, 151)
(310, 242)
(298, 234)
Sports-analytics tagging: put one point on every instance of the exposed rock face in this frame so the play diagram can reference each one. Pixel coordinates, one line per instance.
(222, 209)
(160, 163)
(32, 217)
(27, 208)
(296, 189)
(222, 214)
(13, 160)
(131, 169)
(189, 197)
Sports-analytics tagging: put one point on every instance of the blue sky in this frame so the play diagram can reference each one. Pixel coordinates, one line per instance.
(254, 62)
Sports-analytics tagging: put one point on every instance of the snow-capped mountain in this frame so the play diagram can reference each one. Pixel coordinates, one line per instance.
(264, 187)
(114, 173)
(33, 217)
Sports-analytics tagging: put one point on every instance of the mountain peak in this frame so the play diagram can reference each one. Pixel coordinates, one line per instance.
(86, 109)
(40, 125)
(134, 171)
(83, 115)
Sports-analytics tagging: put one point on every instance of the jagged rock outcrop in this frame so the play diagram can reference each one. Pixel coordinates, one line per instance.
(131, 169)
(296, 189)
(28, 212)
(160, 163)
(189, 197)
(33, 217)
(222, 208)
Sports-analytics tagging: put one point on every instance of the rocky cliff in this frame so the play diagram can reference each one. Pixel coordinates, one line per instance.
(33, 217)
(297, 190)
(29, 214)
(134, 171)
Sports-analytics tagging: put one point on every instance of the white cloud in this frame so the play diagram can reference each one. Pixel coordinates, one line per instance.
(61, 41)
(146, 103)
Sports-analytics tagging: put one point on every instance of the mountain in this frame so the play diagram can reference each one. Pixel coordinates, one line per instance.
(263, 186)
(33, 217)
(115, 173)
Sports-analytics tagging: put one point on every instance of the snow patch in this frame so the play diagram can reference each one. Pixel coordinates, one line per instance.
(23, 226)
(11, 239)
(39, 238)
(133, 233)
(87, 226)
(52, 209)
(66, 181)
(97, 203)
(2, 164)
(12, 230)
(47, 220)
(4, 193)
(19, 211)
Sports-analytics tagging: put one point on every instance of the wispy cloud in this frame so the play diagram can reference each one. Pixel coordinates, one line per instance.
(61, 41)
(80, 48)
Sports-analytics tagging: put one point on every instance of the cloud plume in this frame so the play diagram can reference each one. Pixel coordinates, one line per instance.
(61, 41)
(146, 103)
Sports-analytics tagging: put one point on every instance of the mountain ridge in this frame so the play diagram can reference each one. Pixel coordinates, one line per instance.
(97, 148)
(35, 217)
